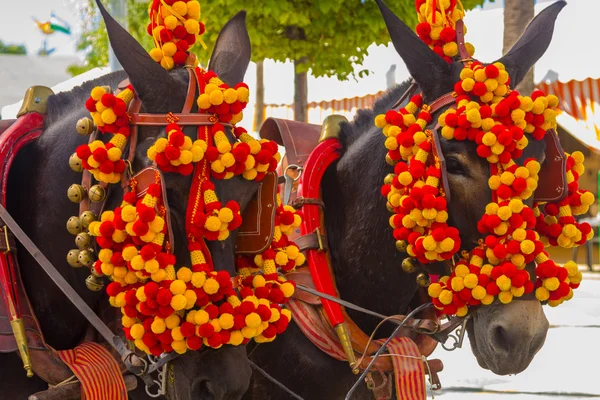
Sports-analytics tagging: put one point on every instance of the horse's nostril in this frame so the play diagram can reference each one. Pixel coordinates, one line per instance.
(202, 390)
(500, 339)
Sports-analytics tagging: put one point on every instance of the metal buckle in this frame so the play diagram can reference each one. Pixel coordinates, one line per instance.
(289, 182)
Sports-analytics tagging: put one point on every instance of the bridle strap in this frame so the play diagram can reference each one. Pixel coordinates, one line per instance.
(460, 41)
(141, 119)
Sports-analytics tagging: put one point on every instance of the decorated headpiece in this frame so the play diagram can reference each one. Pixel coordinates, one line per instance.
(167, 309)
(489, 113)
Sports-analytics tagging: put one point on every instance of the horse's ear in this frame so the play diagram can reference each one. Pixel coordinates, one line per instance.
(532, 44)
(152, 83)
(232, 52)
(426, 67)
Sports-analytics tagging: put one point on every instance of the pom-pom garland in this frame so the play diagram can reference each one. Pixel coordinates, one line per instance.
(413, 191)
(436, 27)
(488, 113)
(175, 27)
(109, 113)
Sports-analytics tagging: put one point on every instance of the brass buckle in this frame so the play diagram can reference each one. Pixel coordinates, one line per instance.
(8, 249)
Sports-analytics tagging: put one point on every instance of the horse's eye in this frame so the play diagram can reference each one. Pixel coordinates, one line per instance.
(453, 166)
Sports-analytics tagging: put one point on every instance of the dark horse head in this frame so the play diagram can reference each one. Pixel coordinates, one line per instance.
(504, 338)
(37, 199)
(207, 374)
(364, 258)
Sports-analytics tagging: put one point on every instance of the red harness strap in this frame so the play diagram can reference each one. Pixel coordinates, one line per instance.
(309, 188)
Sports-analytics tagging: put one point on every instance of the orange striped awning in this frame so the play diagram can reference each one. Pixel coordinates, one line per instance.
(579, 99)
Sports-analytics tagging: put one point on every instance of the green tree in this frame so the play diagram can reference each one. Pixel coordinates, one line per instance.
(6, 48)
(326, 37)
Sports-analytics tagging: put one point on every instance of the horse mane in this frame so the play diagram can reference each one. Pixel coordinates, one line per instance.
(363, 120)
(65, 102)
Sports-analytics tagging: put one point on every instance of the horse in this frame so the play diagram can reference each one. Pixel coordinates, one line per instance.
(365, 261)
(37, 186)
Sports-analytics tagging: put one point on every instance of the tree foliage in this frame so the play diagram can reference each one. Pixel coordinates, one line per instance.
(331, 35)
(6, 48)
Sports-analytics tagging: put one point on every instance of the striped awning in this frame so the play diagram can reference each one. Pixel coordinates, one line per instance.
(581, 101)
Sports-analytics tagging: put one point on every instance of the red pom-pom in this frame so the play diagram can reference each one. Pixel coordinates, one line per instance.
(491, 71)
(206, 330)
(164, 296)
(194, 342)
(113, 289)
(187, 329)
(151, 290)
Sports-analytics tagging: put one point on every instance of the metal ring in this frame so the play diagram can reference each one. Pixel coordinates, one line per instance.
(127, 360)
(158, 392)
(294, 167)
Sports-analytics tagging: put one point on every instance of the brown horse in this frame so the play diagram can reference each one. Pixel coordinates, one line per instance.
(36, 198)
(504, 338)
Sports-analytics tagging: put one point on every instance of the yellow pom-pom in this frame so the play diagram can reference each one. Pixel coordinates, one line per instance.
(504, 213)
(487, 300)
(108, 116)
(462, 270)
(551, 284)
(494, 183)
(211, 286)
(457, 283)
(151, 266)
(226, 321)
(503, 283)
(517, 292)
(156, 54)
(380, 121)
(470, 49)
(478, 292)
(184, 274)
(167, 63)
(253, 320)
(178, 302)
(201, 317)
(213, 223)
(170, 22)
(179, 346)
(158, 325)
(505, 297)
(542, 294)
(470, 281)
(288, 289)
(180, 8)
(216, 97)
(468, 84)
(192, 27)
(176, 334)
(434, 290)
(527, 247)
(445, 297)
(462, 311)
(137, 331)
(97, 93)
(137, 263)
(169, 49)
(177, 287)
(572, 268)
(450, 49)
